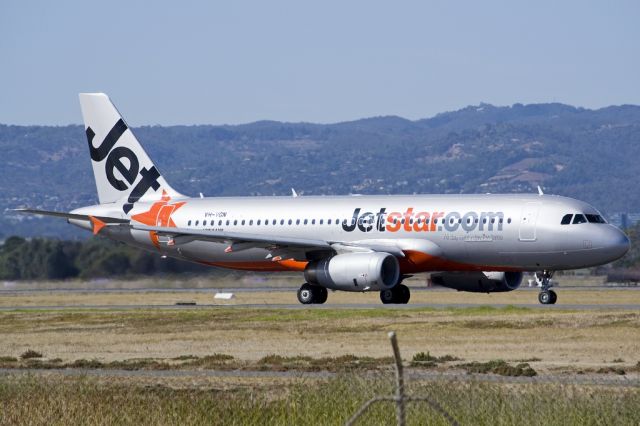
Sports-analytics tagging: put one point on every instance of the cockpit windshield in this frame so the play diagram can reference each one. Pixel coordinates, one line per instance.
(579, 218)
(568, 219)
(595, 218)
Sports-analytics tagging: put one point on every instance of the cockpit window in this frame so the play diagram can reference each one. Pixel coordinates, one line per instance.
(595, 218)
(579, 218)
(566, 219)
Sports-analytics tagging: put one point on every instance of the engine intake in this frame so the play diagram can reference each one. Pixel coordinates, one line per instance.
(355, 271)
(479, 282)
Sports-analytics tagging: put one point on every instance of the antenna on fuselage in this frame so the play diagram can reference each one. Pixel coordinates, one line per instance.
(294, 194)
(540, 191)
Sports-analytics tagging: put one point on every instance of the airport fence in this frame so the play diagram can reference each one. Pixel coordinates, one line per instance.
(400, 398)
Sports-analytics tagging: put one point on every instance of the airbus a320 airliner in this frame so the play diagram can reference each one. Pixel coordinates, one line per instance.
(477, 243)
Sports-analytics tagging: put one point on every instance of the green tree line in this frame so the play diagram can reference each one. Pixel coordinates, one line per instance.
(39, 258)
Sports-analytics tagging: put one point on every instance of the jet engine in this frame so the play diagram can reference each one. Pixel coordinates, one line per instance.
(479, 282)
(355, 272)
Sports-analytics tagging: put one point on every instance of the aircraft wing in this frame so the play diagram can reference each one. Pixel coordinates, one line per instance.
(236, 240)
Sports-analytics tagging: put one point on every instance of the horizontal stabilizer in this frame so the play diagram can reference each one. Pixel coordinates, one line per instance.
(107, 220)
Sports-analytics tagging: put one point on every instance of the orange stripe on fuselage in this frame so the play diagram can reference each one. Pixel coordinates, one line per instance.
(417, 261)
(262, 266)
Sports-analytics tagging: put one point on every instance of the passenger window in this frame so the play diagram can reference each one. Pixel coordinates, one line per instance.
(509, 220)
(306, 221)
(273, 222)
(329, 222)
(579, 218)
(220, 223)
(189, 223)
(297, 221)
(566, 219)
(242, 222)
(313, 221)
(258, 222)
(227, 223)
(251, 222)
(290, 221)
(197, 222)
(235, 222)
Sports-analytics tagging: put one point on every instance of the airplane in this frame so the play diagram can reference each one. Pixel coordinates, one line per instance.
(475, 243)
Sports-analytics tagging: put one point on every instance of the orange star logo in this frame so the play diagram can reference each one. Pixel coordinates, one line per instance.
(159, 214)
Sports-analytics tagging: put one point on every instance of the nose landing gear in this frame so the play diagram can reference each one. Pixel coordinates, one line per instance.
(546, 296)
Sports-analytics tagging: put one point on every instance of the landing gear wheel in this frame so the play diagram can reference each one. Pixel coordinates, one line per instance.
(544, 297)
(310, 294)
(403, 294)
(320, 295)
(306, 294)
(399, 294)
(387, 296)
(554, 297)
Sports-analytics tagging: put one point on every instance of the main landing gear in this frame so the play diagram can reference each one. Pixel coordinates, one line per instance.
(546, 296)
(312, 294)
(399, 294)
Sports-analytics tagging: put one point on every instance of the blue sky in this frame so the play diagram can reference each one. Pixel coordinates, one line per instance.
(214, 62)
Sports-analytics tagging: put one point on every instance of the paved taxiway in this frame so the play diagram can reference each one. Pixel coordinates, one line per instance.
(570, 307)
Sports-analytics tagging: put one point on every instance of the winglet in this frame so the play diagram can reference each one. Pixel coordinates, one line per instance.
(97, 224)
(294, 194)
(540, 191)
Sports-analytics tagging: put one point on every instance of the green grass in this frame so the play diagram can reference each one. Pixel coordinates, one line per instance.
(210, 362)
(426, 360)
(500, 367)
(60, 401)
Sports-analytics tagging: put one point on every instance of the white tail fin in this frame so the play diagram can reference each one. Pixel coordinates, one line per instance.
(123, 171)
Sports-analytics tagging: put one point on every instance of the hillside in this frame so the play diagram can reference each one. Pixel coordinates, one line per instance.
(588, 154)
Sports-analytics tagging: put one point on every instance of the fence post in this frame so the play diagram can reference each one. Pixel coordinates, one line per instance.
(400, 413)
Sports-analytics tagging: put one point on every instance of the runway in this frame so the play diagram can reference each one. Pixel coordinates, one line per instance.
(570, 299)
(362, 306)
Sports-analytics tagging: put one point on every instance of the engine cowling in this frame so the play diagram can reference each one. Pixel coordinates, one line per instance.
(355, 271)
(479, 282)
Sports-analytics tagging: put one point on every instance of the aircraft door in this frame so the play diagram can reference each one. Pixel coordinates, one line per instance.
(528, 221)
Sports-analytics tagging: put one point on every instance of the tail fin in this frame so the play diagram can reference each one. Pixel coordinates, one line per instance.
(122, 170)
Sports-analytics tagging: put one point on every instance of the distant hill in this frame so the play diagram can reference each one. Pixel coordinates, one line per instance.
(592, 155)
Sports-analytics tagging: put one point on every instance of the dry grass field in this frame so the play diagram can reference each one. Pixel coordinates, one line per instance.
(555, 339)
(346, 337)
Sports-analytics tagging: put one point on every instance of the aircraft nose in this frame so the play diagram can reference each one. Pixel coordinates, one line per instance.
(617, 243)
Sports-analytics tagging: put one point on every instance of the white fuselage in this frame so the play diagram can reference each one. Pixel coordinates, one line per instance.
(444, 232)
